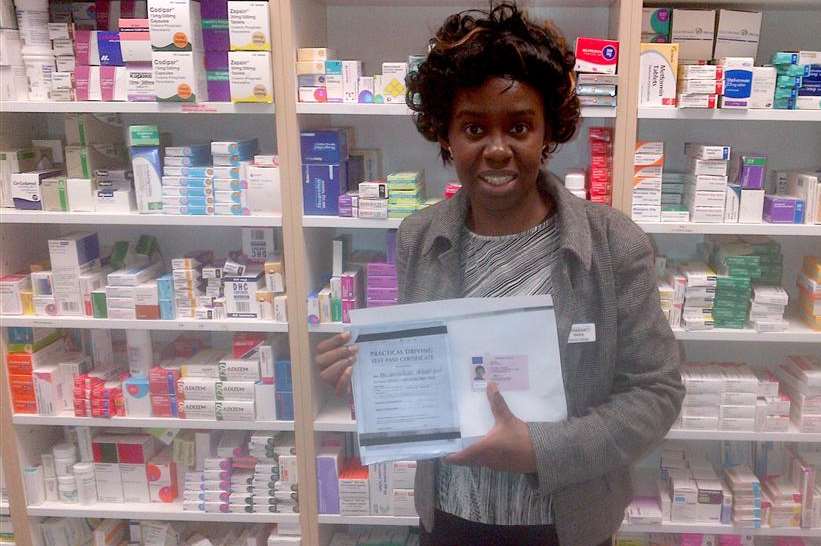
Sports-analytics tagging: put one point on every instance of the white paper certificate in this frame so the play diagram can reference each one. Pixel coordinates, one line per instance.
(512, 342)
(403, 392)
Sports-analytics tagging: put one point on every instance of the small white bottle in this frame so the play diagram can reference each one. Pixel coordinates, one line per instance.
(86, 483)
(575, 182)
(67, 487)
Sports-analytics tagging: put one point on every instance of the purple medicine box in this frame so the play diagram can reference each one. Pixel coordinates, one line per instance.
(380, 269)
(346, 205)
(381, 303)
(328, 467)
(219, 88)
(214, 9)
(216, 60)
(382, 293)
(215, 35)
(779, 209)
(375, 281)
(752, 171)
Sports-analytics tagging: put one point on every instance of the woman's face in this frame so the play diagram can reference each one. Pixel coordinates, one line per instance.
(496, 137)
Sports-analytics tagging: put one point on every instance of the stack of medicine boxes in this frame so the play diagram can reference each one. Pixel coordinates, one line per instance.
(215, 40)
(405, 193)
(210, 489)
(144, 147)
(648, 167)
(187, 276)
(600, 173)
(175, 29)
(798, 84)
(198, 200)
(733, 284)
(699, 85)
(324, 170)
(746, 490)
(231, 160)
(706, 182)
(249, 61)
(311, 73)
(699, 295)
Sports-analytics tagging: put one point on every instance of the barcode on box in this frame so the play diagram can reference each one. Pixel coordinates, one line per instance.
(70, 307)
(242, 307)
(257, 235)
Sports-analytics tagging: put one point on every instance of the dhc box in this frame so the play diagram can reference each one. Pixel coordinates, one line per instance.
(321, 187)
(324, 147)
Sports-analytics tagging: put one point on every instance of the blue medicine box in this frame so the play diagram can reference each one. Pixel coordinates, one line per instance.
(108, 44)
(282, 375)
(324, 147)
(321, 187)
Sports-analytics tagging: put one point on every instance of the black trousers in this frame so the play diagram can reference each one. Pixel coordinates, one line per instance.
(450, 530)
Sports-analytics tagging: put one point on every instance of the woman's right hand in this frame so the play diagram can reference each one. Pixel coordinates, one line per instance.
(335, 360)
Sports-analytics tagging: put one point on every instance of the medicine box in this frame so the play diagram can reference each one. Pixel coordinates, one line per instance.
(596, 55)
(737, 34)
(26, 188)
(240, 294)
(135, 40)
(249, 74)
(82, 161)
(175, 25)
(324, 147)
(655, 25)
(179, 76)
(693, 31)
(321, 187)
(249, 26)
(657, 73)
(393, 82)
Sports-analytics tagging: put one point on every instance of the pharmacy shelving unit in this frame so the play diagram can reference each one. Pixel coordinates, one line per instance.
(24, 235)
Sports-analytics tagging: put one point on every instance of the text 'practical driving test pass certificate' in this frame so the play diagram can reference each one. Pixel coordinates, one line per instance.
(403, 392)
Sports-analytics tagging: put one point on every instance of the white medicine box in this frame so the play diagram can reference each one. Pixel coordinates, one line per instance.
(737, 34)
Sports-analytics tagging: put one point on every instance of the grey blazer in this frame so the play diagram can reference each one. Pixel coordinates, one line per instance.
(624, 390)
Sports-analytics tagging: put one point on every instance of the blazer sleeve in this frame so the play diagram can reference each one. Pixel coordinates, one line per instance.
(647, 390)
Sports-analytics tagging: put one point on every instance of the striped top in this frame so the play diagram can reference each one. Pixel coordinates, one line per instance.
(497, 266)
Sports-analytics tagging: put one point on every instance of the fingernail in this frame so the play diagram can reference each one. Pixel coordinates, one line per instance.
(346, 335)
(353, 349)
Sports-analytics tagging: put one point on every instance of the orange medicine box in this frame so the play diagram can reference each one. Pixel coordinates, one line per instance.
(22, 386)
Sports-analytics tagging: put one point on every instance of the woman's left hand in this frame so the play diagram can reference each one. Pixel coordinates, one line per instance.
(506, 447)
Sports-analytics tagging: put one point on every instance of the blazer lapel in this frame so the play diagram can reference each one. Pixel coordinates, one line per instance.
(566, 304)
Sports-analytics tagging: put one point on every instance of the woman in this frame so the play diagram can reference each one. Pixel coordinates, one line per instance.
(497, 93)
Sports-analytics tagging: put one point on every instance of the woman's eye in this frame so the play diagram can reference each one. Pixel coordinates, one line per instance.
(473, 130)
(519, 129)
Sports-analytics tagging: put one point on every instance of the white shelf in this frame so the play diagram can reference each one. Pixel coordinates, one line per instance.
(149, 511)
(328, 328)
(798, 332)
(349, 223)
(14, 216)
(730, 114)
(336, 519)
(335, 416)
(227, 325)
(718, 529)
(148, 422)
(356, 109)
(809, 230)
(791, 436)
(136, 107)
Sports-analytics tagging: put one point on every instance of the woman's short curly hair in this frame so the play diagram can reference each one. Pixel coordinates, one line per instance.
(475, 45)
